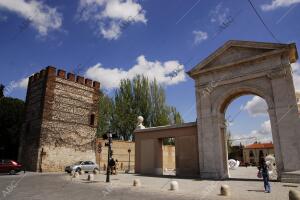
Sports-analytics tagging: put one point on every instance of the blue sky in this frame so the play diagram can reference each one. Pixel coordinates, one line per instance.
(112, 39)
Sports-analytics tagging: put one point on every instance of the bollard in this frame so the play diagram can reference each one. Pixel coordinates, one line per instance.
(90, 177)
(80, 172)
(174, 185)
(225, 190)
(294, 195)
(136, 182)
(76, 175)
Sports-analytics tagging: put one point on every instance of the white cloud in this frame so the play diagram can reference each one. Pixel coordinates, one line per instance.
(166, 73)
(23, 83)
(263, 135)
(20, 84)
(111, 16)
(256, 106)
(274, 4)
(265, 129)
(219, 14)
(42, 17)
(199, 36)
(113, 31)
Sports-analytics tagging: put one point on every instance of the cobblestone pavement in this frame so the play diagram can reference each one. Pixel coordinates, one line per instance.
(62, 186)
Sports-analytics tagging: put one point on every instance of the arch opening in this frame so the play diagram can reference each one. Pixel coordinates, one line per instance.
(247, 134)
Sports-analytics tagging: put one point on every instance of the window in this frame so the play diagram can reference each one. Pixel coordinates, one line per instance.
(92, 119)
(261, 154)
(86, 163)
(251, 154)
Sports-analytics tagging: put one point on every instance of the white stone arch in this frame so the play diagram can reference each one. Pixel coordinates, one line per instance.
(221, 104)
(237, 90)
(235, 69)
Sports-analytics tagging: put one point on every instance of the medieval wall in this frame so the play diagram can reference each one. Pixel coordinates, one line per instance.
(120, 153)
(29, 142)
(68, 120)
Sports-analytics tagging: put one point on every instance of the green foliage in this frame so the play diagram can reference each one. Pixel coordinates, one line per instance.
(106, 110)
(159, 111)
(124, 122)
(174, 116)
(11, 118)
(138, 97)
(169, 141)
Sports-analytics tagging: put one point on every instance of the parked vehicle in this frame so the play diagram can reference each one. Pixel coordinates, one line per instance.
(84, 166)
(10, 166)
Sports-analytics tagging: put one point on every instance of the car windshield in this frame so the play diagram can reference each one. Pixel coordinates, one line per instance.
(78, 163)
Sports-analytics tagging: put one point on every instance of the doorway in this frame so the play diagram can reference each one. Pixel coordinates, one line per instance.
(248, 137)
(169, 158)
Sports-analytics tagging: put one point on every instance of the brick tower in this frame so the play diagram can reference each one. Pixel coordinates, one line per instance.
(60, 122)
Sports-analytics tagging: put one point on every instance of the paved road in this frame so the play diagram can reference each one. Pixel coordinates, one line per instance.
(62, 186)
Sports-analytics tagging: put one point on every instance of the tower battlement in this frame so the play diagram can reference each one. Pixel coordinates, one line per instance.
(60, 120)
(52, 71)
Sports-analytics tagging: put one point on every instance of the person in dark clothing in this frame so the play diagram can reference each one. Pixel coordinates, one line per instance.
(112, 165)
(263, 169)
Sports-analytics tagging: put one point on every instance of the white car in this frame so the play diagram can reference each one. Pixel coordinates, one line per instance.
(84, 166)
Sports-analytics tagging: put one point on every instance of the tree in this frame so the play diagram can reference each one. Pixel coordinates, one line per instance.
(174, 116)
(159, 111)
(125, 118)
(11, 119)
(141, 101)
(106, 109)
(140, 97)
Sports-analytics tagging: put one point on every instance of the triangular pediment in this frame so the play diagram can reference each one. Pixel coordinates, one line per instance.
(234, 52)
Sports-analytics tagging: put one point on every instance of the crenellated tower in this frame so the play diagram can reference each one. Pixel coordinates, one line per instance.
(60, 122)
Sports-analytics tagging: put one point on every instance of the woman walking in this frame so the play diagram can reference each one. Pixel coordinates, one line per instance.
(263, 170)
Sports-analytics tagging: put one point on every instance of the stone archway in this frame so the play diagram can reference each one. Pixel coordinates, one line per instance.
(235, 69)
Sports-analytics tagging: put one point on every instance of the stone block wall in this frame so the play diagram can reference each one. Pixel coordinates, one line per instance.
(120, 152)
(63, 131)
(30, 143)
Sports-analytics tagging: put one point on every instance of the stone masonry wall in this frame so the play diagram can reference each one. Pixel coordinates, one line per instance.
(68, 120)
(120, 152)
(29, 147)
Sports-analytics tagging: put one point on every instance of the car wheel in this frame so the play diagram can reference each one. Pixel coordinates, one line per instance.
(12, 172)
(78, 169)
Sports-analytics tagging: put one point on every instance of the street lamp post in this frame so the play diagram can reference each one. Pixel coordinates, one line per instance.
(109, 152)
(129, 151)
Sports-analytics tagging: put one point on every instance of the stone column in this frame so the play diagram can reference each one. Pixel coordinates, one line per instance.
(210, 140)
(285, 115)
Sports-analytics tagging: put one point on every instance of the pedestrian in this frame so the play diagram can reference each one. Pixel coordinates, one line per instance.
(263, 170)
(112, 165)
